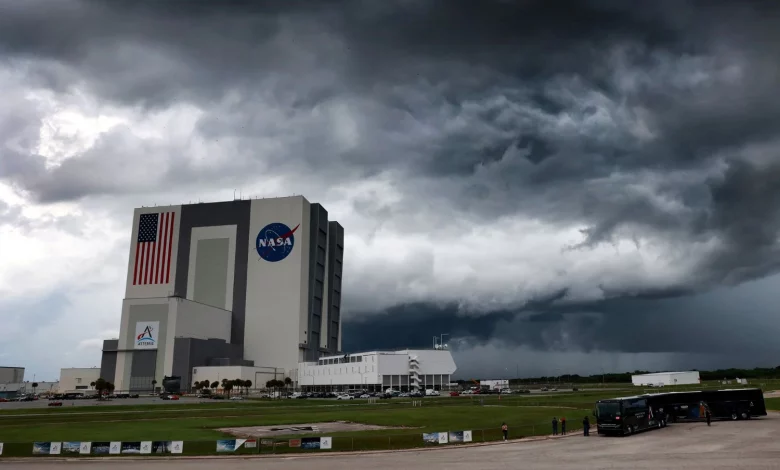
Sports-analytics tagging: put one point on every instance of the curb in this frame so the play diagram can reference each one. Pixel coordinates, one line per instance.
(285, 456)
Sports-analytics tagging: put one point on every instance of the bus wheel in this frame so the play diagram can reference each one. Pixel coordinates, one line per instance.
(734, 416)
(745, 415)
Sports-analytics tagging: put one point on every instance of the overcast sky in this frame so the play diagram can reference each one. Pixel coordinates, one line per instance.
(575, 187)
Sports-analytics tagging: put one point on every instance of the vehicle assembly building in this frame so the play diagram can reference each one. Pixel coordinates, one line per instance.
(249, 283)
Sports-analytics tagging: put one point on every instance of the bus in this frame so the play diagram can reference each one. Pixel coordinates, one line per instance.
(629, 415)
(733, 404)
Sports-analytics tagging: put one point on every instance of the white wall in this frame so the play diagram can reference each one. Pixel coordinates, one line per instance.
(152, 290)
(277, 297)
(373, 366)
(194, 320)
(667, 378)
(353, 373)
(434, 362)
(71, 378)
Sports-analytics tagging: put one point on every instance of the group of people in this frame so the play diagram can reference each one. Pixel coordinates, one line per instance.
(562, 422)
(555, 422)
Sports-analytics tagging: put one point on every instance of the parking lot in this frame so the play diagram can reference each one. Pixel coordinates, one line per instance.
(726, 445)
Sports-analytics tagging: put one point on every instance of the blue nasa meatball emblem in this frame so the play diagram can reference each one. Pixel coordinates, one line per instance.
(275, 241)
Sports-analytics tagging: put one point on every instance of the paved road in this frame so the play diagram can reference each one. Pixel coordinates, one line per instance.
(726, 445)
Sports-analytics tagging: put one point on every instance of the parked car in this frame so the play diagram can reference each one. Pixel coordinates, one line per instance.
(345, 397)
(55, 403)
(237, 398)
(454, 394)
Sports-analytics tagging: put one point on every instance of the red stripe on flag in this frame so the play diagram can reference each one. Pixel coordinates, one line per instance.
(156, 266)
(170, 245)
(135, 269)
(159, 275)
(147, 262)
(141, 264)
(150, 267)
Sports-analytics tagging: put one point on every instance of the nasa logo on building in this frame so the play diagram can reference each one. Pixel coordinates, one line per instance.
(275, 242)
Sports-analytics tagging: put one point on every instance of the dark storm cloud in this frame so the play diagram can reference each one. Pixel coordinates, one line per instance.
(636, 121)
(705, 324)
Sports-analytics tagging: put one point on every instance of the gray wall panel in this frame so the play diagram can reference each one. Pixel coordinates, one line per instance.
(108, 359)
(210, 215)
(211, 265)
(318, 235)
(335, 268)
(143, 370)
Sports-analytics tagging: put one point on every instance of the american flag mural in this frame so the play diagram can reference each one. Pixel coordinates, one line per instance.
(153, 249)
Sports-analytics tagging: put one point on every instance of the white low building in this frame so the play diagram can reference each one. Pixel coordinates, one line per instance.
(77, 379)
(403, 370)
(495, 384)
(666, 378)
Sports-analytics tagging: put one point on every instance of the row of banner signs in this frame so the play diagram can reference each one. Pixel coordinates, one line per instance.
(107, 448)
(309, 443)
(452, 437)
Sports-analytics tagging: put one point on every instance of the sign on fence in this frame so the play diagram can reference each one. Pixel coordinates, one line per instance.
(229, 445)
(447, 437)
(1, 448)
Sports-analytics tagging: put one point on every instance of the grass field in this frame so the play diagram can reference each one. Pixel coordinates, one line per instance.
(197, 424)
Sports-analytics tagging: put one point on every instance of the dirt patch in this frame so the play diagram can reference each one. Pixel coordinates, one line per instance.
(313, 428)
(775, 394)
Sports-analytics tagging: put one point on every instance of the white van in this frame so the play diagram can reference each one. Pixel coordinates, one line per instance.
(429, 392)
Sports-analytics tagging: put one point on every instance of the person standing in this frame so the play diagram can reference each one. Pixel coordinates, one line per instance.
(707, 414)
(563, 425)
(586, 426)
(555, 426)
(504, 430)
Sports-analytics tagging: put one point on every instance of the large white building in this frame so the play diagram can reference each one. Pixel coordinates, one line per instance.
(246, 283)
(404, 370)
(666, 378)
(74, 379)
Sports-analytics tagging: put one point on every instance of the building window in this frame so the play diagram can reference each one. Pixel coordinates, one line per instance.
(78, 380)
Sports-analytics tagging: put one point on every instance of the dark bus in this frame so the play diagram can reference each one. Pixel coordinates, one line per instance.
(628, 415)
(734, 404)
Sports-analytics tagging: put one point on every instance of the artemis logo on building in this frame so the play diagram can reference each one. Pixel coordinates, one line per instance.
(146, 335)
(275, 241)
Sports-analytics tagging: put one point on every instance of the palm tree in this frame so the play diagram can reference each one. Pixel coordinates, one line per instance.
(214, 385)
(34, 386)
(154, 385)
(287, 382)
(247, 385)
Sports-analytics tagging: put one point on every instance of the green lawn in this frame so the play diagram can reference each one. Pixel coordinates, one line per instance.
(187, 424)
(772, 404)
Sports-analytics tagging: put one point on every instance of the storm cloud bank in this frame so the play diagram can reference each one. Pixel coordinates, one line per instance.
(514, 173)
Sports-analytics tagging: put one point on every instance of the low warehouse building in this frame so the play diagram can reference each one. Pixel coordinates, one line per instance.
(78, 379)
(666, 378)
(404, 370)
